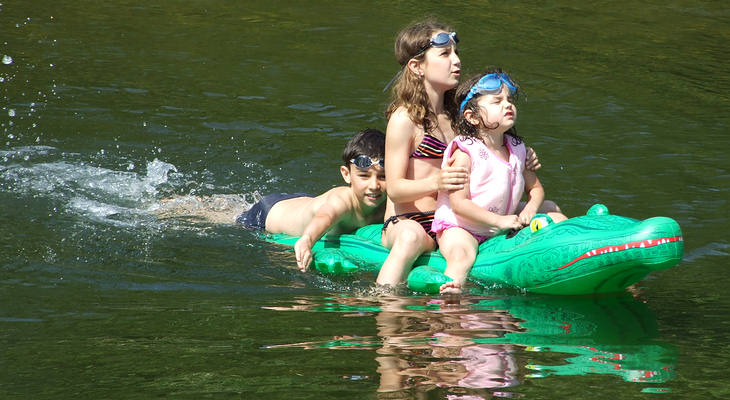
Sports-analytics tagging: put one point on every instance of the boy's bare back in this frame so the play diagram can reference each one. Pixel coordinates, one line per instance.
(292, 216)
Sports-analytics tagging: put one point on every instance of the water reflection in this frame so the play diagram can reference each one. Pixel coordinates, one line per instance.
(480, 346)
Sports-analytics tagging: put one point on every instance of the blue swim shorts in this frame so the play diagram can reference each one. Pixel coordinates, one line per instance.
(255, 217)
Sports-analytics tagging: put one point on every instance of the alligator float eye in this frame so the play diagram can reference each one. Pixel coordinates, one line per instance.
(539, 222)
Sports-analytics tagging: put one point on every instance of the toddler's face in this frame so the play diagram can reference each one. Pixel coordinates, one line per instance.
(497, 109)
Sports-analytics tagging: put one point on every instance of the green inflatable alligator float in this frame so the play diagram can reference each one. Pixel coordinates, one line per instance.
(594, 253)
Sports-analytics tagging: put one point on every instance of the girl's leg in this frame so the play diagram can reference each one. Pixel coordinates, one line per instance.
(459, 248)
(548, 207)
(552, 210)
(407, 240)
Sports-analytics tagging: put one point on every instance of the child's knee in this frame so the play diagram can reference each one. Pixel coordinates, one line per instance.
(550, 206)
(411, 236)
(459, 254)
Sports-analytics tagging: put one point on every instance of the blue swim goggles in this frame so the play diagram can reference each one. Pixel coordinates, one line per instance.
(441, 39)
(488, 84)
(364, 162)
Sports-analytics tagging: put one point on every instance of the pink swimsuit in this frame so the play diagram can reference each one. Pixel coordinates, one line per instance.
(494, 185)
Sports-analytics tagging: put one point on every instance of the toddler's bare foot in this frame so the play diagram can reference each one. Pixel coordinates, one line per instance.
(450, 287)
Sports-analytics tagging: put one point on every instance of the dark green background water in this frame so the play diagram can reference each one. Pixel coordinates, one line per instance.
(107, 107)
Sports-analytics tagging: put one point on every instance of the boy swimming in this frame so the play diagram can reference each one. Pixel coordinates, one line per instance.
(340, 210)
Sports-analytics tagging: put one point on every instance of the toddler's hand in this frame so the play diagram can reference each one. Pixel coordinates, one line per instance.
(509, 222)
(303, 252)
(526, 216)
(531, 161)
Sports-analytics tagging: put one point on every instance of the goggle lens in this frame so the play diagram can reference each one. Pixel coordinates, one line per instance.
(440, 39)
(364, 162)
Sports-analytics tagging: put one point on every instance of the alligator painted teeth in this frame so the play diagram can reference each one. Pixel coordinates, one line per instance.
(641, 244)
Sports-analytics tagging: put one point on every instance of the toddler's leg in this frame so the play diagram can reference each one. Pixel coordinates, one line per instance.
(459, 248)
(406, 240)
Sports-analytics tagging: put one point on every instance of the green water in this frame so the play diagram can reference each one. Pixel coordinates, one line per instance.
(108, 107)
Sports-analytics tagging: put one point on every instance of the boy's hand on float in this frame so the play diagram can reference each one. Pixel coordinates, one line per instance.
(531, 161)
(303, 252)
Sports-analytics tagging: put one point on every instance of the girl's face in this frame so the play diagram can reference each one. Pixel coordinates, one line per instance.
(497, 110)
(441, 67)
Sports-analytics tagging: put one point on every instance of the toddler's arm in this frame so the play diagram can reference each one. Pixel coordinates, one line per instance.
(465, 208)
(535, 196)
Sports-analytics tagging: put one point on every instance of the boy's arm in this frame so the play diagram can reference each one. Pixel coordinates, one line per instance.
(467, 209)
(333, 210)
(535, 196)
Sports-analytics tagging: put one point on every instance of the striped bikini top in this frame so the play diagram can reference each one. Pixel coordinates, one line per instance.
(430, 147)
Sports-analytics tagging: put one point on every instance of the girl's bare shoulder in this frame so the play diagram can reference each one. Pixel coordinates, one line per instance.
(400, 117)
(401, 125)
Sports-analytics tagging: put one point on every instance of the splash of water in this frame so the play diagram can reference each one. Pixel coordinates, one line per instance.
(122, 198)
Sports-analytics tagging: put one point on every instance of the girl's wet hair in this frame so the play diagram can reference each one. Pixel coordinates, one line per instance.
(369, 142)
(465, 128)
(409, 90)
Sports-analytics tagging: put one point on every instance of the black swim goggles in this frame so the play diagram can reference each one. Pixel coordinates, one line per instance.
(364, 162)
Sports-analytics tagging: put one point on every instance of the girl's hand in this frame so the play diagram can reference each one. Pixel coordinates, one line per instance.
(303, 251)
(531, 161)
(508, 222)
(450, 177)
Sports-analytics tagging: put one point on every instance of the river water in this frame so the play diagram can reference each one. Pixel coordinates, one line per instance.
(106, 108)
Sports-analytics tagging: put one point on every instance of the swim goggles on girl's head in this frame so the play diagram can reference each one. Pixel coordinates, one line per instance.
(489, 83)
(440, 39)
(364, 162)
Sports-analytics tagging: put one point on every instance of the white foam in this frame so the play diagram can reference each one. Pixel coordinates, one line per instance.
(103, 212)
(91, 191)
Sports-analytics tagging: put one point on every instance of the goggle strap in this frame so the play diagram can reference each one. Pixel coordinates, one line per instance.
(397, 74)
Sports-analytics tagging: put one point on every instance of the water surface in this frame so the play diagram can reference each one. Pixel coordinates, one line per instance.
(107, 108)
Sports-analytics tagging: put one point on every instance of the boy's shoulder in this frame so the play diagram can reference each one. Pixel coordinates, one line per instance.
(338, 194)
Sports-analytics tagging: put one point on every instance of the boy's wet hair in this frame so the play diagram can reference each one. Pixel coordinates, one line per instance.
(369, 142)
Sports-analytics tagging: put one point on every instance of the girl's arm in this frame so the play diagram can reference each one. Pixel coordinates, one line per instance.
(398, 145)
(462, 205)
(535, 196)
